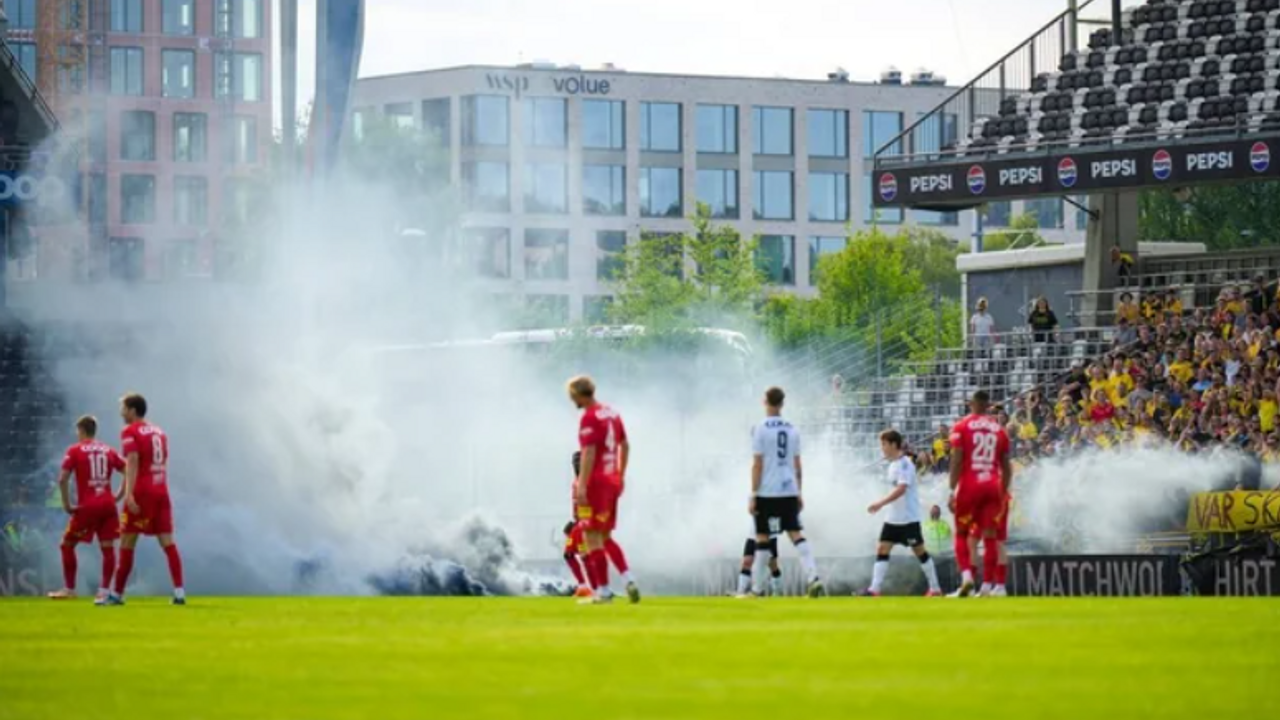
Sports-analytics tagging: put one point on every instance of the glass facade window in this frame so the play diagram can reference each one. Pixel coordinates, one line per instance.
(829, 197)
(182, 259)
(238, 18)
(26, 54)
(97, 136)
(875, 215)
(718, 129)
(934, 133)
(70, 71)
(878, 129)
(776, 259)
(546, 254)
(125, 258)
(930, 217)
(718, 190)
(545, 122)
(138, 135)
(1082, 217)
(604, 190)
(829, 133)
(190, 137)
(771, 130)
(399, 115)
(486, 120)
(243, 72)
(820, 246)
(546, 310)
(436, 122)
(97, 198)
(22, 14)
(190, 201)
(137, 199)
(774, 195)
(126, 16)
(178, 73)
(126, 71)
(595, 308)
(604, 125)
(241, 139)
(660, 127)
(488, 250)
(997, 214)
(237, 200)
(546, 188)
(661, 192)
(610, 259)
(488, 186)
(1047, 211)
(178, 17)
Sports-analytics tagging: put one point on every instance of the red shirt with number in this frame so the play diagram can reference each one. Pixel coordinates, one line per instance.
(983, 446)
(152, 447)
(602, 428)
(92, 462)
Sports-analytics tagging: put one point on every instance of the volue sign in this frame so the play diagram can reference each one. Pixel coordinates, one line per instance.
(518, 85)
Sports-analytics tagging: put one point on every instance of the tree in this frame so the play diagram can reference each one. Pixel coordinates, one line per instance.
(1223, 217)
(934, 254)
(1023, 233)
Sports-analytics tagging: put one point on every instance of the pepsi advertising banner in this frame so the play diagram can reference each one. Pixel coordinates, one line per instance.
(973, 183)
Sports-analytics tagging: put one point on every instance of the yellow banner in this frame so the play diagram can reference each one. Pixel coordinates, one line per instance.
(1231, 512)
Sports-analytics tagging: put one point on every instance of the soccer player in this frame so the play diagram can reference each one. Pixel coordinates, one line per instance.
(612, 549)
(601, 482)
(981, 471)
(575, 546)
(94, 513)
(776, 481)
(749, 559)
(147, 510)
(902, 527)
(996, 588)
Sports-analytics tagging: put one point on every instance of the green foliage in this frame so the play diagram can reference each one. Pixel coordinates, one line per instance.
(408, 163)
(934, 253)
(1224, 217)
(1022, 233)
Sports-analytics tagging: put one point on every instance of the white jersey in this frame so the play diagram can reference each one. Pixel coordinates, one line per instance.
(778, 443)
(906, 509)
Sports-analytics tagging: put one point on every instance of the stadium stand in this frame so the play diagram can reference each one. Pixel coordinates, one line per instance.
(29, 410)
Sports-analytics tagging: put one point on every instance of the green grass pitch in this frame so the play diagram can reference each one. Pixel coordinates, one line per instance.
(384, 658)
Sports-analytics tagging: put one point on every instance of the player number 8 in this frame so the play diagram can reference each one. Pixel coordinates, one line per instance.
(157, 451)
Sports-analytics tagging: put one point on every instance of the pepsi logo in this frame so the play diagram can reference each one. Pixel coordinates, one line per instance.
(1260, 157)
(977, 180)
(1067, 172)
(1162, 165)
(888, 187)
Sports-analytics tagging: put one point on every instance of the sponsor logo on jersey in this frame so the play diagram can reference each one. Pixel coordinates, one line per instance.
(1260, 157)
(888, 187)
(1162, 164)
(977, 180)
(1068, 173)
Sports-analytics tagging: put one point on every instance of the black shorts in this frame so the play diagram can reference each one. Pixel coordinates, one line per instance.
(909, 534)
(777, 515)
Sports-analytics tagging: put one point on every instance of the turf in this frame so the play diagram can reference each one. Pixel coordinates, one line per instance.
(667, 658)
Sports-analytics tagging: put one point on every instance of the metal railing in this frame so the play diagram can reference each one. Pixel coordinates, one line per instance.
(27, 85)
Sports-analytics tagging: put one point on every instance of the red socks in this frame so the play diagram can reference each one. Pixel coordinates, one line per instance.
(1001, 570)
(572, 560)
(616, 557)
(990, 560)
(175, 565)
(108, 566)
(122, 571)
(69, 567)
(597, 569)
(963, 559)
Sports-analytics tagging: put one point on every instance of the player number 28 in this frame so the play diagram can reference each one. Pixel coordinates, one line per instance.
(984, 448)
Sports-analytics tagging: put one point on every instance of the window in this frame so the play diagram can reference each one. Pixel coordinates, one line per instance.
(190, 201)
(1048, 212)
(546, 310)
(26, 54)
(126, 71)
(603, 125)
(610, 259)
(773, 196)
(126, 16)
(878, 129)
(930, 217)
(485, 120)
(137, 199)
(997, 214)
(97, 136)
(488, 251)
(829, 197)
(935, 133)
(436, 122)
(178, 17)
(238, 18)
(546, 188)
(771, 130)
(239, 74)
(1082, 214)
(604, 190)
(179, 76)
(718, 190)
(546, 254)
(242, 140)
(660, 127)
(595, 308)
(820, 246)
(237, 200)
(669, 252)
(829, 133)
(875, 215)
(545, 122)
(22, 14)
(660, 192)
(97, 198)
(190, 137)
(125, 256)
(775, 257)
(138, 135)
(718, 129)
(182, 259)
(399, 115)
(70, 71)
(488, 186)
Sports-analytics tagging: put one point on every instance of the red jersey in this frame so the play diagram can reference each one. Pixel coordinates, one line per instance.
(983, 445)
(602, 428)
(152, 447)
(92, 463)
